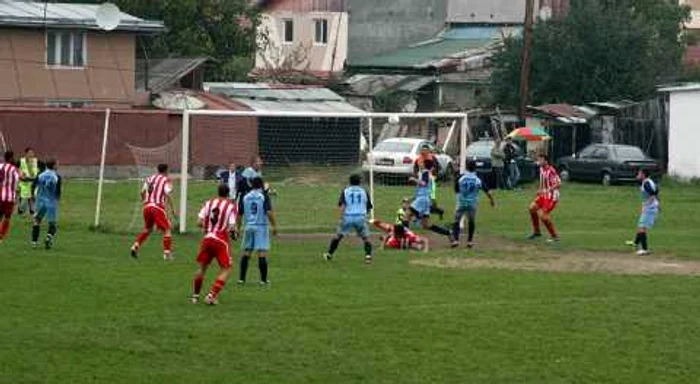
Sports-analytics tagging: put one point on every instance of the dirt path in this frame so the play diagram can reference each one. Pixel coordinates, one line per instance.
(523, 257)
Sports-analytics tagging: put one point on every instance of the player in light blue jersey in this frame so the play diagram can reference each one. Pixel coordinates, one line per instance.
(468, 186)
(420, 208)
(354, 205)
(650, 210)
(48, 194)
(256, 211)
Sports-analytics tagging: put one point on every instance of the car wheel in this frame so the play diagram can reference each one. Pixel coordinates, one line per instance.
(565, 175)
(607, 179)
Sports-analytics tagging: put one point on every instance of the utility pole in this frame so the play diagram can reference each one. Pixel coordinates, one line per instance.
(526, 58)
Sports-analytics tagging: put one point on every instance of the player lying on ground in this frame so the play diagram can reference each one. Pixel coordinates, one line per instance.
(256, 211)
(354, 205)
(48, 194)
(468, 187)
(420, 208)
(218, 220)
(547, 199)
(650, 210)
(155, 194)
(9, 179)
(398, 236)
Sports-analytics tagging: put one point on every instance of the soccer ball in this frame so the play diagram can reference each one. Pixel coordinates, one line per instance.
(394, 119)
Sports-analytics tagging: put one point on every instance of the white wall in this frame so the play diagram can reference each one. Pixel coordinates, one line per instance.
(328, 57)
(684, 135)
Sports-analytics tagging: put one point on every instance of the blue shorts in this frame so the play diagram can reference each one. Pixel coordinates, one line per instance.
(256, 239)
(421, 206)
(469, 210)
(357, 224)
(46, 210)
(648, 218)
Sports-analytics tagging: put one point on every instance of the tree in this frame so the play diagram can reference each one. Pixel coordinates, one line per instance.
(223, 30)
(602, 50)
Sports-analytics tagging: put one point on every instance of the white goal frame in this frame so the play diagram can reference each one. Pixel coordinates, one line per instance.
(463, 117)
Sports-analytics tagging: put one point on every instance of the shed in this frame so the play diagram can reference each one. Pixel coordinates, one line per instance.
(298, 140)
(684, 135)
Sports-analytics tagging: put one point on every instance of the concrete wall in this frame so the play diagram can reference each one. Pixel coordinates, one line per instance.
(383, 26)
(106, 80)
(328, 57)
(684, 135)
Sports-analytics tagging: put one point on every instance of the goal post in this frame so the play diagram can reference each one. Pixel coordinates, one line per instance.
(451, 127)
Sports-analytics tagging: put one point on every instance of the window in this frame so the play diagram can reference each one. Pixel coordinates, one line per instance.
(321, 31)
(68, 103)
(601, 153)
(65, 49)
(288, 31)
(587, 152)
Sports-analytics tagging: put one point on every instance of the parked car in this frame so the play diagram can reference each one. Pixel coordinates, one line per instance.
(480, 153)
(607, 163)
(396, 157)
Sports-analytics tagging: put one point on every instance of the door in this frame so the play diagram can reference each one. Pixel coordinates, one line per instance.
(577, 166)
(599, 161)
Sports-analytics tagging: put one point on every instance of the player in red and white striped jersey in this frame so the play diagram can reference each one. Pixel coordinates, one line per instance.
(547, 199)
(155, 195)
(9, 180)
(218, 219)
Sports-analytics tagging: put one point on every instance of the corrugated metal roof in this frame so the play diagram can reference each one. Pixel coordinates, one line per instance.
(163, 73)
(423, 56)
(692, 87)
(62, 15)
(264, 98)
(371, 85)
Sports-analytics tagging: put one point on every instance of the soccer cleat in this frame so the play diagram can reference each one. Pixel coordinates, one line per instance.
(135, 252)
(368, 259)
(454, 244)
(194, 299)
(327, 256)
(35, 245)
(470, 245)
(264, 284)
(167, 256)
(240, 282)
(48, 243)
(643, 252)
(630, 243)
(534, 236)
(211, 300)
(553, 239)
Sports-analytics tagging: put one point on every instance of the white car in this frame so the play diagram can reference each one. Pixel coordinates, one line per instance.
(397, 156)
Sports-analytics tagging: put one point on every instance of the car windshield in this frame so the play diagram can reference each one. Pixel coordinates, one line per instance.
(479, 149)
(630, 153)
(394, 147)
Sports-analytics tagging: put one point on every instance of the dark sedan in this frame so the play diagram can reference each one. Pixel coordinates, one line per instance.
(480, 153)
(607, 163)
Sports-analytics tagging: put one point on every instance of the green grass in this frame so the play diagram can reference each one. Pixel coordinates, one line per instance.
(85, 312)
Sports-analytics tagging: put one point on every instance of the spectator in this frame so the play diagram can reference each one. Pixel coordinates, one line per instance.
(497, 164)
(231, 177)
(512, 170)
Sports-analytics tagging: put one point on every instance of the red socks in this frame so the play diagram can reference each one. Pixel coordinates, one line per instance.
(550, 227)
(535, 222)
(4, 228)
(141, 238)
(167, 244)
(198, 281)
(216, 288)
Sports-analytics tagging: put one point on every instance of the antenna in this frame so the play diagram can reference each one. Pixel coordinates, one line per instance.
(108, 16)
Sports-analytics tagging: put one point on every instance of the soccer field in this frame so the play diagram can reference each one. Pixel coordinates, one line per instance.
(510, 311)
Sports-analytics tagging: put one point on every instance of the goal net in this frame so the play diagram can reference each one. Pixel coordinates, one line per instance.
(306, 158)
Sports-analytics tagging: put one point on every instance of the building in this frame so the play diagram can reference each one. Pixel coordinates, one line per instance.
(694, 23)
(683, 133)
(54, 54)
(302, 36)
